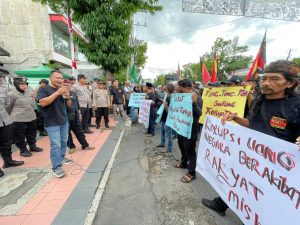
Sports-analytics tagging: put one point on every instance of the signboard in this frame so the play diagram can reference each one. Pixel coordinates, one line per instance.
(221, 100)
(180, 114)
(161, 110)
(144, 113)
(136, 99)
(257, 175)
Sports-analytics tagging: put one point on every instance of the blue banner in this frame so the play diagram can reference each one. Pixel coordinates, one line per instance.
(160, 111)
(180, 114)
(136, 99)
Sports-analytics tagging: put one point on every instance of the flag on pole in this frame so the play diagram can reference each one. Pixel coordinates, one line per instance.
(259, 62)
(178, 73)
(205, 75)
(214, 70)
(133, 74)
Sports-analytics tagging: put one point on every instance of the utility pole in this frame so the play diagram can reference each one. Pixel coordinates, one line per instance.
(133, 43)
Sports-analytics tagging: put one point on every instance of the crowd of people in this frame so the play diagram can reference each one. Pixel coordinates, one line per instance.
(63, 106)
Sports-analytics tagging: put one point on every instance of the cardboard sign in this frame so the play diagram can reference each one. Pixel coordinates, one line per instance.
(180, 114)
(144, 113)
(136, 99)
(257, 175)
(221, 100)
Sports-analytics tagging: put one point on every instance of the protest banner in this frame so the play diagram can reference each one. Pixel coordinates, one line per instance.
(144, 113)
(160, 111)
(180, 114)
(257, 175)
(221, 100)
(136, 99)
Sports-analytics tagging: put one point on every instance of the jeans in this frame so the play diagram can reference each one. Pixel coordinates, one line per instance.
(166, 133)
(132, 113)
(58, 136)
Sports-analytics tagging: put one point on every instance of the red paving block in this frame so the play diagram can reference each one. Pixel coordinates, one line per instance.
(32, 204)
(51, 206)
(40, 219)
(12, 220)
(57, 195)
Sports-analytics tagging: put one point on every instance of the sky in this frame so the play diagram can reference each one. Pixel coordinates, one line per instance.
(176, 37)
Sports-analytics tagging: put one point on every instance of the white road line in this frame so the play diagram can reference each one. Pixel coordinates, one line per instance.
(96, 202)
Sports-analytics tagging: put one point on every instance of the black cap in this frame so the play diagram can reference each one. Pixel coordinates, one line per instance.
(45, 81)
(233, 80)
(149, 85)
(20, 80)
(214, 84)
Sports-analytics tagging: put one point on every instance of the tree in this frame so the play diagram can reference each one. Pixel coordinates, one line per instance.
(141, 57)
(107, 26)
(160, 80)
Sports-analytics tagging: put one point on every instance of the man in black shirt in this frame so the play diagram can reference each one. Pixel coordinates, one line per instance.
(117, 99)
(54, 112)
(275, 111)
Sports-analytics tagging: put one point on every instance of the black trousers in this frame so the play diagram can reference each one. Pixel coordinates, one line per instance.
(85, 116)
(40, 121)
(77, 130)
(24, 130)
(101, 111)
(90, 115)
(127, 107)
(6, 140)
(188, 150)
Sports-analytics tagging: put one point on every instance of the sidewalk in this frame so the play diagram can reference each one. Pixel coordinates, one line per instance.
(30, 194)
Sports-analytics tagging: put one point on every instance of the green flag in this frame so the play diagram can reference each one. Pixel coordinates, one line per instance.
(133, 74)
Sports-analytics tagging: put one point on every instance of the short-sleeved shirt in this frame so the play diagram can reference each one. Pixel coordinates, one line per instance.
(117, 94)
(282, 118)
(54, 114)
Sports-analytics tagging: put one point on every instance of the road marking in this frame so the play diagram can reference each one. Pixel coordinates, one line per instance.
(96, 202)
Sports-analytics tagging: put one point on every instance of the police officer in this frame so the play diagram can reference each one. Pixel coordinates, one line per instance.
(6, 130)
(24, 117)
(275, 101)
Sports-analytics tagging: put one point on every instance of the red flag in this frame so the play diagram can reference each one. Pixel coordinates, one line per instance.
(214, 70)
(74, 64)
(178, 73)
(205, 75)
(259, 62)
(70, 24)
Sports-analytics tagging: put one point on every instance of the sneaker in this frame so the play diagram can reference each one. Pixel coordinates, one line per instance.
(66, 161)
(88, 148)
(72, 150)
(58, 172)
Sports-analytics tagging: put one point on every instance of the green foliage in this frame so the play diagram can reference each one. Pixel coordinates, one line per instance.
(141, 51)
(54, 66)
(160, 80)
(296, 60)
(231, 57)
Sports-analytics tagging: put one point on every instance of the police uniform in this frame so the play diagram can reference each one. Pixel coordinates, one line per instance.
(6, 132)
(24, 118)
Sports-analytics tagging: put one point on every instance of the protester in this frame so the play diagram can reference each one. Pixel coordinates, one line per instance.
(275, 101)
(23, 116)
(161, 92)
(72, 106)
(233, 81)
(188, 146)
(56, 120)
(117, 99)
(127, 91)
(166, 131)
(153, 108)
(83, 95)
(6, 130)
(101, 103)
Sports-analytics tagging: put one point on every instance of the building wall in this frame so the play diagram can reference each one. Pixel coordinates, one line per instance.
(25, 32)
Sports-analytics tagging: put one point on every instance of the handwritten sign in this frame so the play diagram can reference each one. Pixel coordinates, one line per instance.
(257, 175)
(161, 110)
(144, 113)
(136, 99)
(221, 100)
(180, 114)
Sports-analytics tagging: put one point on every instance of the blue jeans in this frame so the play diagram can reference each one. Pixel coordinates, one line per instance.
(58, 136)
(132, 111)
(166, 133)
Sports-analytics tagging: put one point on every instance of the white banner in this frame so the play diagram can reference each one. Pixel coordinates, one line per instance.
(257, 175)
(144, 113)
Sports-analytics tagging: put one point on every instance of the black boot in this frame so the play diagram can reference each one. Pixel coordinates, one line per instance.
(98, 126)
(35, 148)
(214, 205)
(1, 173)
(25, 153)
(12, 163)
(106, 125)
